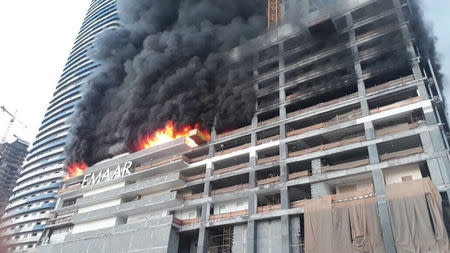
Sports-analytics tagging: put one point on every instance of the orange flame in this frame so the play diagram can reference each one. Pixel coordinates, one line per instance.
(166, 134)
(76, 169)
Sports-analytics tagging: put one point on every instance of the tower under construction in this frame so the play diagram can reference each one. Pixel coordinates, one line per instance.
(349, 136)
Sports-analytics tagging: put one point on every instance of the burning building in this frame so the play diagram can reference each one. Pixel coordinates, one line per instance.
(347, 136)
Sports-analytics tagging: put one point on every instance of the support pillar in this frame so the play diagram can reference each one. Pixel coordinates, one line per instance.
(251, 239)
(383, 211)
(202, 240)
(319, 189)
(285, 242)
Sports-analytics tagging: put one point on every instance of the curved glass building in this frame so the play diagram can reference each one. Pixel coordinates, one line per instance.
(34, 194)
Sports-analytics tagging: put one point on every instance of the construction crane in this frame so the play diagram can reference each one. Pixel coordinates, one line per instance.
(11, 121)
(273, 12)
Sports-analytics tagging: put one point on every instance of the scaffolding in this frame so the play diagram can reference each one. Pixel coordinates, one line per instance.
(221, 242)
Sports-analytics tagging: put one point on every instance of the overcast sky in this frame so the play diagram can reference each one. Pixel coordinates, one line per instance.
(37, 37)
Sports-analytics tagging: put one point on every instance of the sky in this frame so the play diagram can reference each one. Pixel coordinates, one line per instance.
(37, 37)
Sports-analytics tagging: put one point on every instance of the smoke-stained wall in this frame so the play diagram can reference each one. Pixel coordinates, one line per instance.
(165, 63)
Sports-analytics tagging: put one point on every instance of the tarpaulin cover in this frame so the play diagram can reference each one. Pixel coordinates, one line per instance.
(353, 225)
(348, 226)
(416, 215)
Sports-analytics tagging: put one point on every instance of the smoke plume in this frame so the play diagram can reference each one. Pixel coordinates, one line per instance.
(164, 63)
(426, 40)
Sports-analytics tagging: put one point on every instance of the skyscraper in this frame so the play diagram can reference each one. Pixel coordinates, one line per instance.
(34, 195)
(11, 159)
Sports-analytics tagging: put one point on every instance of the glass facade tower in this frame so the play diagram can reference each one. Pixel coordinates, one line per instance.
(34, 194)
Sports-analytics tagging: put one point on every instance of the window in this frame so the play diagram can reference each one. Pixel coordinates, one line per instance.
(192, 215)
(239, 205)
(222, 209)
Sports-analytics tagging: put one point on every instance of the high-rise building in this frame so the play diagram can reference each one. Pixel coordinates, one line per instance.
(347, 140)
(11, 159)
(34, 195)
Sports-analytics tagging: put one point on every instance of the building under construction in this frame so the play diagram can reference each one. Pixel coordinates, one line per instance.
(11, 159)
(347, 152)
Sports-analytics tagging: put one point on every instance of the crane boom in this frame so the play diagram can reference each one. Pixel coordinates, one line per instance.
(7, 112)
(11, 121)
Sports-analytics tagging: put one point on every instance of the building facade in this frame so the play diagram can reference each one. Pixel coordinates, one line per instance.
(11, 159)
(348, 115)
(39, 181)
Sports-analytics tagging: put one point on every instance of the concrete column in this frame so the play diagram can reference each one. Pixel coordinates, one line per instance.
(284, 198)
(319, 189)
(316, 166)
(283, 155)
(202, 240)
(383, 210)
(281, 81)
(407, 36)
(285, 242)
(373, 154)
(355, 52)
(253, 158)
(379, 185)
(433, 164)
(251, 239)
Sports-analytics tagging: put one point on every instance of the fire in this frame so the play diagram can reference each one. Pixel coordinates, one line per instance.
(168, 133)
(76, 169)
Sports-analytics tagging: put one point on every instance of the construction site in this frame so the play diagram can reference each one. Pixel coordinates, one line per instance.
(347, 152)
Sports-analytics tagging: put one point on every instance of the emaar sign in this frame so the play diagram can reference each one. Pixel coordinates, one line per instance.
(103, 176)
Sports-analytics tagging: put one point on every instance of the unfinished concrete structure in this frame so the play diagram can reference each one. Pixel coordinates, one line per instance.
(346, 109)
(11, 159)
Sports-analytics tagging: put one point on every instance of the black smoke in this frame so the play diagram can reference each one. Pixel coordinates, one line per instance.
(426, 40)
(165, 62)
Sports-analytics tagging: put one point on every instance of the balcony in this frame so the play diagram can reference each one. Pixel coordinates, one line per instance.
(61, 218)
(327, 146)
(267, 140)
(347, 165)
(231, 168)
(396, 105)
(298, 203)
(267, 181)
(268, 121)
(225, 216)
(390, 84)
(236, 131)
(70, 188)
(231, 164)
(401, 153)
(300, 174)
(327, 119)
(186, 222)
(193, 178)
(233, 188)
(268, 208)
(189, 196)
